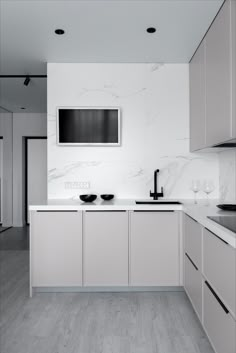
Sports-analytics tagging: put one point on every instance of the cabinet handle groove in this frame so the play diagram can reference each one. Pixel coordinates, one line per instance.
(153, 211)
(217, 298)
(196, 268)
(41, 211)
(105, 211)
(217, 236)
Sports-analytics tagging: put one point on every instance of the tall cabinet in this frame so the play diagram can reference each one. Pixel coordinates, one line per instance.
(212, 83)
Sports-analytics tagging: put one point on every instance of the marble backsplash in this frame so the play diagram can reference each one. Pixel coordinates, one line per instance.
(154, 102)
(227, 173)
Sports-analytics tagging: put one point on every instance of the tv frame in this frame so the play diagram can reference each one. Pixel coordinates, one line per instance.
(115, 144)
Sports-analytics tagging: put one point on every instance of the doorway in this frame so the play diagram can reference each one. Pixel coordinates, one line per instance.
(35, 172)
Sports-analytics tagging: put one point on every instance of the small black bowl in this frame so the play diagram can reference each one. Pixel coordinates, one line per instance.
(227, 207)
(107, 197)
(88, 198)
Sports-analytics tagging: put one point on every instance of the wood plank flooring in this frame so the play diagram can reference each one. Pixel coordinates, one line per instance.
(154, 322)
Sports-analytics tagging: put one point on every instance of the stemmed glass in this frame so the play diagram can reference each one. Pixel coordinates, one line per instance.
(208, 186)
(195, 187)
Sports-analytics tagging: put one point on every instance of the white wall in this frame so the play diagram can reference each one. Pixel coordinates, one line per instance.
(154, 100)
(25, 124)
(6, 123)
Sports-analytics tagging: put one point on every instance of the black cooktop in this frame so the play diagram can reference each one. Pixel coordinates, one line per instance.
(228, 222)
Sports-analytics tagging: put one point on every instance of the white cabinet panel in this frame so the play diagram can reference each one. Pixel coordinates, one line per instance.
(154, 249)
(218, 323)
(193, 240)
(106, 248)
(197, 77)
(218, 78)
(56, 249)
(219, 267)
(193, 284)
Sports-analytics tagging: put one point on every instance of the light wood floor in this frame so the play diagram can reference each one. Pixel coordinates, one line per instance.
(161, 322)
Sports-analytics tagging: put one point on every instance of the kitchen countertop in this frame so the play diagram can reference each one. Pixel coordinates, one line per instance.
(198, 212)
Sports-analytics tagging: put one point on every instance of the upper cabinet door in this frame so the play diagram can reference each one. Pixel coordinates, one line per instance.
(233, 19)
(197, 99)
(218, 78)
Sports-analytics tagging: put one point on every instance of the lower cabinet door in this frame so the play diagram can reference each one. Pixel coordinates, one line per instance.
(219, 324)
(193, 284)
(56, 249)
(154, 249)
(106, 248)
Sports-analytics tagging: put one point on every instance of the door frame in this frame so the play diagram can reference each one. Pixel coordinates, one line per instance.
(26, 138)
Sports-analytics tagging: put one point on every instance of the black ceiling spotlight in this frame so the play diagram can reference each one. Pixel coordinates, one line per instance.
(27, 81)
(151, 29)
(59, 31)
(22, 108)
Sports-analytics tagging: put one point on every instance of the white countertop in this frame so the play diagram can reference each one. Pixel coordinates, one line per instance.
(199, 212)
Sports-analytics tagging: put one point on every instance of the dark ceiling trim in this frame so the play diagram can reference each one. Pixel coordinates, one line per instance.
(6, 110)
(23, 76)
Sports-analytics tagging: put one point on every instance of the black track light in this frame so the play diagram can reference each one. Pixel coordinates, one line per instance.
(27, 81)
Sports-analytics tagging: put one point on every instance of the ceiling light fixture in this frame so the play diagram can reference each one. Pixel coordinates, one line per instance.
(151, 29)
(27, 81)
(59, 31)
(22, 108)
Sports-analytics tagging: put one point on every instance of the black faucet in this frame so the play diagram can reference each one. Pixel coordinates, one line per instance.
(156, 194)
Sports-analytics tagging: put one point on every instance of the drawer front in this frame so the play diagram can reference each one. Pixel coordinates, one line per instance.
(219, 324)
(193, 284)
(219, 267)
(193, 240)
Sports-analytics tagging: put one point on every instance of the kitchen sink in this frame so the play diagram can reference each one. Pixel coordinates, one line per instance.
(157, 202)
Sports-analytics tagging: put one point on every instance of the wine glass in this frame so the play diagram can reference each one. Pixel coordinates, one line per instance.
(195, 187)
(207, 187)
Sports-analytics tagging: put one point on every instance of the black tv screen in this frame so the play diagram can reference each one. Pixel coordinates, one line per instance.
(88, 126)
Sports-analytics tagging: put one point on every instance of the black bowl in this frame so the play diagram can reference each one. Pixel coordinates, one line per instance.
(107, 197)
(227, 207)
(88, 198)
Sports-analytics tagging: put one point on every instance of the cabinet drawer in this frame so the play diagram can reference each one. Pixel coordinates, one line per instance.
(218, 323)
(193, 284)
(219, 267)
(193, 240)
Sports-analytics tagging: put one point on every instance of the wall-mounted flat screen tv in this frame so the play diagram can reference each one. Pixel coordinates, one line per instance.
(88, 126)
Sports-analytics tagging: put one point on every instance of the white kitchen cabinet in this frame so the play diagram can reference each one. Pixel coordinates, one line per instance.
(219, 267)
(218, 78)
(56, 249)
(197, 99)
(213, 83)
(193, 284)
(193, 240)
(105, 248)
(218, 323)
(154, 249)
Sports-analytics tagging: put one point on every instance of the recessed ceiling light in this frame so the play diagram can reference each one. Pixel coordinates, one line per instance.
(151, 29)
(22, 108)
(59, 31)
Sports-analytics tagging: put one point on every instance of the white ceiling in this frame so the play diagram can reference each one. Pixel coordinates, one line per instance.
(95, 31)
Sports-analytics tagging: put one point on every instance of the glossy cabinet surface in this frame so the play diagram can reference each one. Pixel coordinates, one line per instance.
(56, 249)
(154, 249)
(105, 248)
